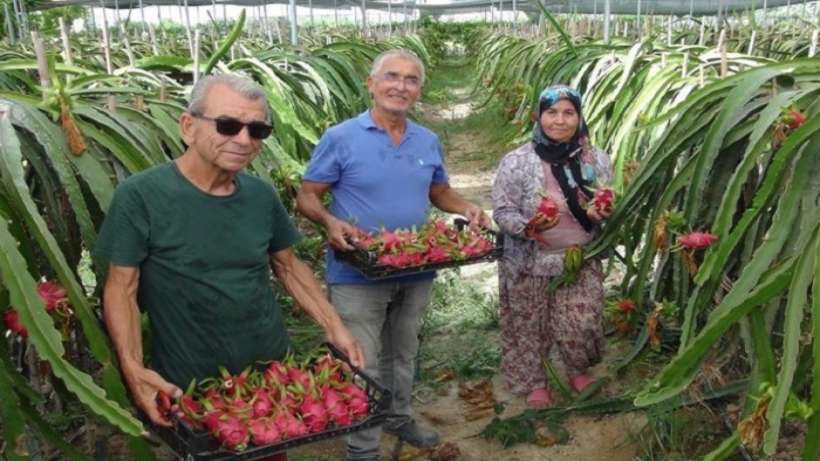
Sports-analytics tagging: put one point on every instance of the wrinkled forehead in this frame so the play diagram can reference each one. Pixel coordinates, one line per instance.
(400, 65)
(224, 100)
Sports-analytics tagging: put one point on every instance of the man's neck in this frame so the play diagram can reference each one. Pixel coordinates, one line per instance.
(395, 123)
(205, 177)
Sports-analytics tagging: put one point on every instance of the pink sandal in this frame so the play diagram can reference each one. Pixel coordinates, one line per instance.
(580, 382)
(540, 398)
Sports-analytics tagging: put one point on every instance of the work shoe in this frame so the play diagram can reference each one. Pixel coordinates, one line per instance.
(410, 432)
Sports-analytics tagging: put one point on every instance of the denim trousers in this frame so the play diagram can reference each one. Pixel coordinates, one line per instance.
(385, 318)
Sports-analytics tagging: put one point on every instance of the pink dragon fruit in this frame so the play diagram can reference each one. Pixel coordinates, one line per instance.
(232, 432)
(314, 414)
(277, 373)
(697, 240)
(262, 404)
(52, 294)
(290, 425)
(264, 431)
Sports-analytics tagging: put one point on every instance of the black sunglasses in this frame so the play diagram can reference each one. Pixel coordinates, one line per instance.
(229, 126)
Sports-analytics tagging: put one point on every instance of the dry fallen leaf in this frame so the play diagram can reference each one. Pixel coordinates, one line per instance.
(447, 451)
(437, 420)
(478, 398)
(409, 452)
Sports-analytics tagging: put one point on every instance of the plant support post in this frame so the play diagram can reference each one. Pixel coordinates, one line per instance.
(293, 25)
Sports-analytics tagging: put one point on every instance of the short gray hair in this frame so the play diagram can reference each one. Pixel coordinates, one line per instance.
(396, 53)
(242, 85)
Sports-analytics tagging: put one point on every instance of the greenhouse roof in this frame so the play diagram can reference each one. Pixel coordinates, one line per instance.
(678, 7)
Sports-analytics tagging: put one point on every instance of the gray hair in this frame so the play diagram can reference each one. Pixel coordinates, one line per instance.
(378, 63)
(242, 85)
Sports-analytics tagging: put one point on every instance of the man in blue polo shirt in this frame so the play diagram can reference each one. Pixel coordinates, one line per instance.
(383, 172)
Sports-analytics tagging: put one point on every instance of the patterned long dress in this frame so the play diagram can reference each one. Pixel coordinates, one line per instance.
(532, 319)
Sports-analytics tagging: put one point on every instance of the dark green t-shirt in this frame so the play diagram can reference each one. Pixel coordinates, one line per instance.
(205, 276)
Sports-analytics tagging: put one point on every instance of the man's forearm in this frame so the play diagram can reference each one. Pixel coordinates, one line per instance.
(298, 280)
(449, 200)
(310, 205)
(122, 318)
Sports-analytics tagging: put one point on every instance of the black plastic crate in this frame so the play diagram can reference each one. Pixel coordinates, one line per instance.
(366, 261)
(197, 444)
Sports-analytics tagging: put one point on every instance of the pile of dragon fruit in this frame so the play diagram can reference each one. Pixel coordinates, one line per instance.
(282, 402)
(434, 242)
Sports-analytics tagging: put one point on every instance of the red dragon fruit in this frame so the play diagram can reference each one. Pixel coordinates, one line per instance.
(358, 407)
(277, 373)
(353, 391)
(12, 321)
(327, 370)
(547, 208)
(299, 376)
(52, 294)
(192, 411)
(357, 400)
(626, 306)
(314, 414)
(437, 254)
(795, 119)
(697, 240)
(262, 404)
(290, 425)
(232, 433)
(390, 240)
(335, 406)
(264, 431)
(603, 199)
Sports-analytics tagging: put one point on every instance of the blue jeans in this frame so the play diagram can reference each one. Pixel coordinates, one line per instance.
(385, 318)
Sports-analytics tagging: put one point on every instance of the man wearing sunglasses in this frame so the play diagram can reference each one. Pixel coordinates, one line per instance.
(382, 171)
(192, 242)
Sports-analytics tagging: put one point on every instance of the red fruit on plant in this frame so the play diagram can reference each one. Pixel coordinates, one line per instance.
(12, 321)
(264, 431)
(626, 305)
(232, 433)
(796, 119)
(52, 294)
(697, 240)
(602, 200)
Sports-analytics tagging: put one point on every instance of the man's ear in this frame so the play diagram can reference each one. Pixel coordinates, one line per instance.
(186, 127)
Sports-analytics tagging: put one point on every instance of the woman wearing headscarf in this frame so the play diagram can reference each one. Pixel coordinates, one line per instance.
(559, 163)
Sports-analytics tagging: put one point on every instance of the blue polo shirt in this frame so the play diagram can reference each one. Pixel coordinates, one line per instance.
(375, 184)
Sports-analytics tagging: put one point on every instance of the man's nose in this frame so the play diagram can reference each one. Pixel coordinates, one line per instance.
(244, 136)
